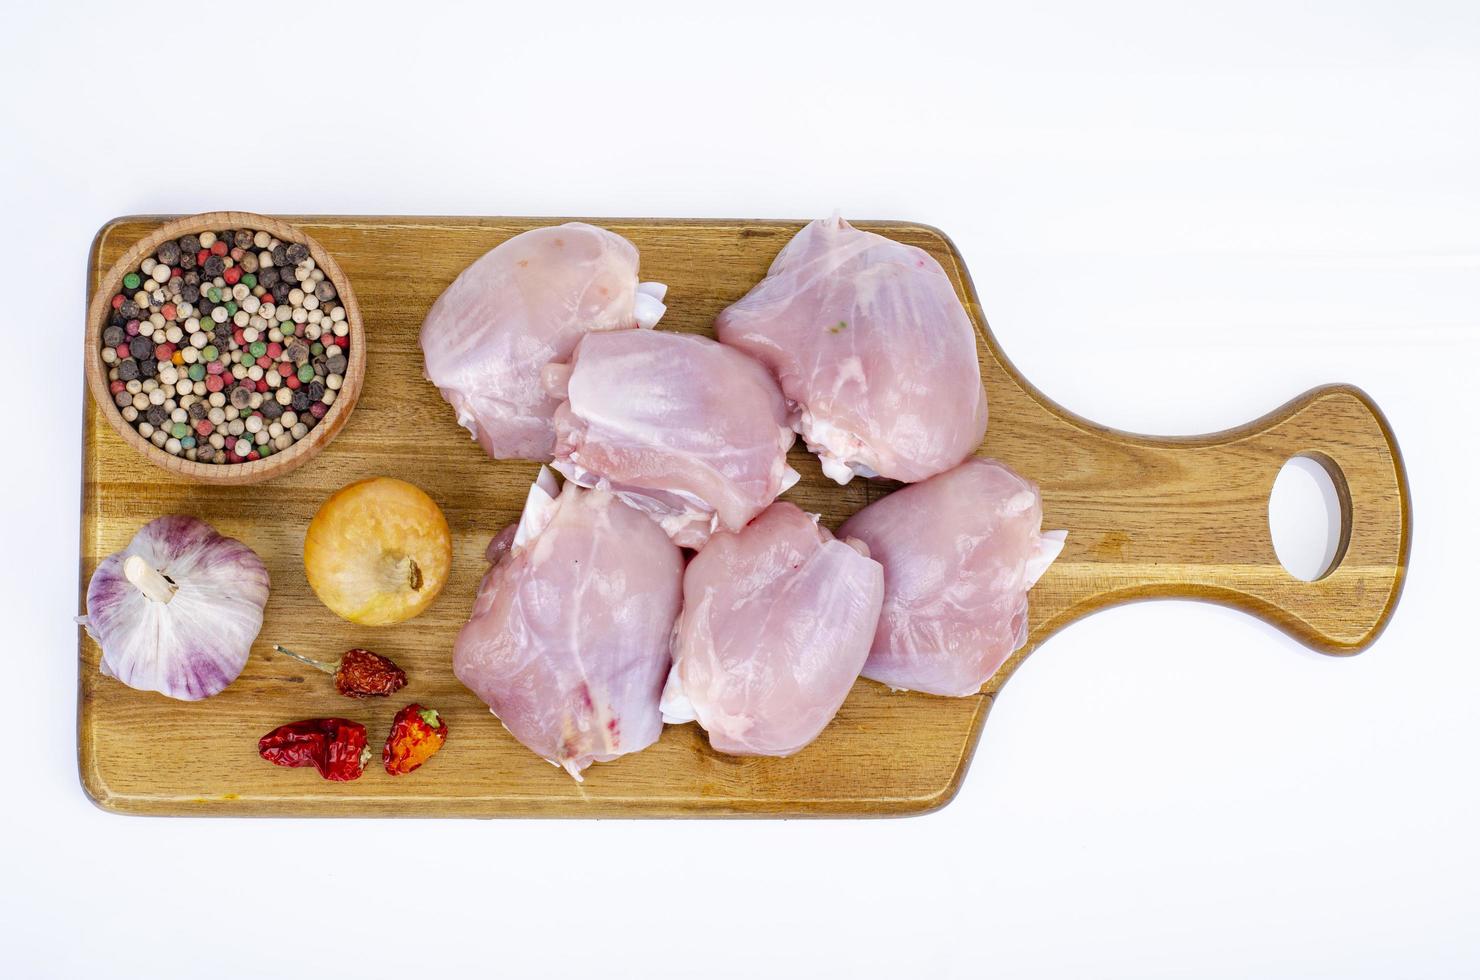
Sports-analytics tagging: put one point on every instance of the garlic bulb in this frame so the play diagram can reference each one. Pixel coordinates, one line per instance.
(177, 610)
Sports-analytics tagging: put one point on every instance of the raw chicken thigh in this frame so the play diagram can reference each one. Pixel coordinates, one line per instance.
(960, 552)
(776, 624)
(689, 431)
(870, 342)
(568, 642)
(518, 308)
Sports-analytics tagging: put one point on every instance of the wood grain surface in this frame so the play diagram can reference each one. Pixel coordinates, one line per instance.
(1147, 518)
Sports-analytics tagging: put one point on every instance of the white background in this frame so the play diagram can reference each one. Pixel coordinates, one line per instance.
(1176, 220)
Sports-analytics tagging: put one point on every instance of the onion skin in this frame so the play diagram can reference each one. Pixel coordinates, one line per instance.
(198, 642)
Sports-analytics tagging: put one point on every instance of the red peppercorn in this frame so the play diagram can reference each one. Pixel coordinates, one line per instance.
(168, 311)
(319, 409)
(232, 275)
(236, 335)
(119, 300)
(123, 350)
(202, 255)
(275, 350)
(262, 385)
(162, 352)
(215, 367)
(264, 362)
(116, 386)
(205, 427)
(219, 248)
(236, 254)
(292, 381)
(254, 454)
(214, 382)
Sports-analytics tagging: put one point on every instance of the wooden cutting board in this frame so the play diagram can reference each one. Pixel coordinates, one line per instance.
(1147, 518)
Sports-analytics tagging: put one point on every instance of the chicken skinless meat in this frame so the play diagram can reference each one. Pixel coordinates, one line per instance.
(516, 309)
(871, 344)
(689, 431)
(960, 552)
(776, 625)
(568, 641)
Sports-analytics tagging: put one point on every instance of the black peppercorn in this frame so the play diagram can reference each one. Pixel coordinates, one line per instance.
(128, 369)
(268, 277)
(141, 347)
(301, 401)
(156, 416)
(296, 253)
(325, 291)
(169, 253)
(240, 397)
(214, 266)
(280, 256)
(336, 364)
(148, 367)
(315, 390)
(122, 398)
(198, 410)
(271, 409)
(129, 309)
(189, 244)
(187, 261)
(113, 336)
(243, 239)
(190, 293)
(191, 278)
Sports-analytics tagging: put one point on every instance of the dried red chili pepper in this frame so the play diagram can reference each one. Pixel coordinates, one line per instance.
(359, 673)
(416, 735)
(337, 748)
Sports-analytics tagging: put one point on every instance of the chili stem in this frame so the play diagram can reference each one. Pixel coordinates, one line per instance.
(148, 580)
(326, 668)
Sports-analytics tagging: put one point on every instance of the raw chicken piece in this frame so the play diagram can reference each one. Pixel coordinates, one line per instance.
(869, 341)
(568, 640)
(776, 624)
(960, 552)
(689, 431)
(518, 308)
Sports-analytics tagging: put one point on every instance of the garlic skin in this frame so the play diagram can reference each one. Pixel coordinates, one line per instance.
(177, 610)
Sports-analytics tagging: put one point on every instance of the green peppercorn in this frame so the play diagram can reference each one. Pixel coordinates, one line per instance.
(257, 348)
(249, 280)
(197, 371)
(305, 373)
(131, 281)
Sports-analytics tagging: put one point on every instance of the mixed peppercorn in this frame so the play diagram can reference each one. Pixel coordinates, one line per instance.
(226, 347)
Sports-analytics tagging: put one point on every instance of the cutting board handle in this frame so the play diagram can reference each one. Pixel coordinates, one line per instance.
(1189, 519)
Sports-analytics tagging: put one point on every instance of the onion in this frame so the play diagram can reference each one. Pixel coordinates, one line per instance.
(177, 610)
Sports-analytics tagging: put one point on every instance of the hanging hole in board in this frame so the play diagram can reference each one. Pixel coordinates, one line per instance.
(1310, 516)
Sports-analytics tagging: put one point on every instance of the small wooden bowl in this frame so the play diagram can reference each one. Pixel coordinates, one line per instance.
(257, 470)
